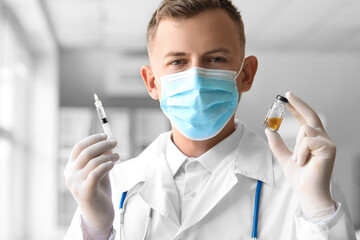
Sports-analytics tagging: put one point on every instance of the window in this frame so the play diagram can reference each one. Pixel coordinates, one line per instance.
(15, 78)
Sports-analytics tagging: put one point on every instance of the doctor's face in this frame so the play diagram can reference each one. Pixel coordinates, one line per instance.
(209, 40)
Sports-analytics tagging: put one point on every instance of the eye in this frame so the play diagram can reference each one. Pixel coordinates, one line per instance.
(217, 59)
(176, 62)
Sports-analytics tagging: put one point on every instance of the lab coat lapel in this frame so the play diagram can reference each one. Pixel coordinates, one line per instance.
(220, 183)
(159, 191)
(254, 158)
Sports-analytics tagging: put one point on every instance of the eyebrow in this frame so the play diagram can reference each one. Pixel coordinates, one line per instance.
(175, 54)
(217, 50)
(180, 54)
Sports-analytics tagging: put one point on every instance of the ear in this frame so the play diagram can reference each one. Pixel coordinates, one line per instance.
(246, 77)
(152, 85)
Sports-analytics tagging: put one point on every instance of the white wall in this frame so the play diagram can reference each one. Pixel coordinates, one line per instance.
(39, 200)
(42, 173)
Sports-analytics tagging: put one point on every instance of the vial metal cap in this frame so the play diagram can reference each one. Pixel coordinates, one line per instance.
(281, 98)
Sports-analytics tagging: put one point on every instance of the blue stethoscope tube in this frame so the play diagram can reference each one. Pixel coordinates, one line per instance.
(121, 207)
(123, 196)
(255, 217)
(256, 210)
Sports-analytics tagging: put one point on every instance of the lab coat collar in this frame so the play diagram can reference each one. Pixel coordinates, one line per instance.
(210, 159)
(175, 158)
(253, 157)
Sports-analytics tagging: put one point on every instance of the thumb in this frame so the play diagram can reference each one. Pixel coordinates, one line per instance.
(277, 146)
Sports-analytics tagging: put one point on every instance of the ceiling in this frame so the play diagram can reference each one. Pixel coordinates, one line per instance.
(321, 25)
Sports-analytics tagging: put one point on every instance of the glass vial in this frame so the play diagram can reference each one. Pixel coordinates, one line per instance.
(275, 114)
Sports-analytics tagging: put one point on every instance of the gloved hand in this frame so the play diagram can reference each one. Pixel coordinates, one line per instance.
(309, 168)
(87, 177)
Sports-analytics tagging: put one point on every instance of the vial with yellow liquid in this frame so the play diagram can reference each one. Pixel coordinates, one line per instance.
(275, 114)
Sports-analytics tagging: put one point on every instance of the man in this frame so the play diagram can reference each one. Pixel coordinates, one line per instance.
(199, 180)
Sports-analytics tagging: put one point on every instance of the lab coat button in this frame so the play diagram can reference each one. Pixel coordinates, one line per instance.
(193, 194)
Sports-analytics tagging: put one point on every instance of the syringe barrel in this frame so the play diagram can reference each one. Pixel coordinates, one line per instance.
(101, 112)
(107, 130)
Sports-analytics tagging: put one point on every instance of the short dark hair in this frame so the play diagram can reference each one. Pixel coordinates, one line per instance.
(183, 9)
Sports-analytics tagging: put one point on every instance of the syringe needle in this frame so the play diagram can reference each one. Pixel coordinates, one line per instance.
(96, 97)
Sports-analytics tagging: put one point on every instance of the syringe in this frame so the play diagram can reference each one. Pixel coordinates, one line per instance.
(102, 116)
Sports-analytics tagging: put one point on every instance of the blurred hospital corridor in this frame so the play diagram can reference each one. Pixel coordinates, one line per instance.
(55, 53)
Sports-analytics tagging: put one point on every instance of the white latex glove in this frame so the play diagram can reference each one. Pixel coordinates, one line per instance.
(87, 177)
(309, 168)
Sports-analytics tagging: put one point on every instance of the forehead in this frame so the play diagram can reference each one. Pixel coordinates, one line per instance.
(208, 30)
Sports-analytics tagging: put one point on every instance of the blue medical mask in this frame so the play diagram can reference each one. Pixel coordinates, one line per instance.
(199, 102)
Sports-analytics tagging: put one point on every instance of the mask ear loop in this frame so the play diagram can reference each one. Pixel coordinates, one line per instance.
(156, 78)
(242, 64)
(238, 73)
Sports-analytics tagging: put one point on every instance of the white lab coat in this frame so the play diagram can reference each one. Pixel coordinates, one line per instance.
(225, 206)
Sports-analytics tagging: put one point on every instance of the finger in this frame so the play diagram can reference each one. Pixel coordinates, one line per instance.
(98, 173)
(307, 113)
(86, 142)
(94, 151)
(95, 162)
(295, 113)
(277, 146)
(304, 152)
(304, 131)
(299, 138)
(307, 148)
